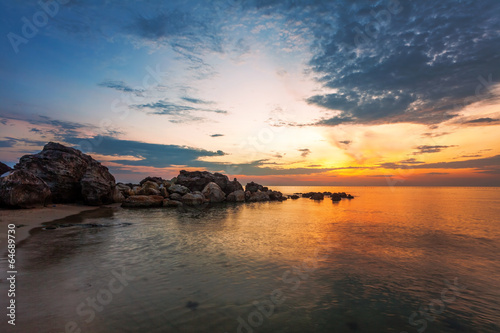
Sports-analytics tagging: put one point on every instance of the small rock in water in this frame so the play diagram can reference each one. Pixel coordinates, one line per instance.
(192, 305)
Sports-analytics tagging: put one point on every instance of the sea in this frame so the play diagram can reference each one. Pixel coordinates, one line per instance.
(393, 259)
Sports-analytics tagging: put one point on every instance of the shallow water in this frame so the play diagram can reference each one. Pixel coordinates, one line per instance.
(408, 259)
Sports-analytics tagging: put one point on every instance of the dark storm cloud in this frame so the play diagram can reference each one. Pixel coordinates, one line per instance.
(216, 135)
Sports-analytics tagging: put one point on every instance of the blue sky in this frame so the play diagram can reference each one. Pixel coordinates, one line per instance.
(302, 92)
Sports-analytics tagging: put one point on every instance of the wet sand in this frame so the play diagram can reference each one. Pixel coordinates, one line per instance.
(31, 218)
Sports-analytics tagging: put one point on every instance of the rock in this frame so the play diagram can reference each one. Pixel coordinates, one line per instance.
(336, 197)
(259, 196)
(172, 203)
(124, 189)
(233, 186)
(163, 191)
(253, 187)
(180, 189)
(4, 168)
(97, 185)
(22, 189)
(198, 180)
(350, 196)
(248, 194)
(118, 195)
(275, 196)
(157, 180)
(213, 192)
(294, 197)
(175, 196)
(71, 175)
(236, 196)
(143, 201)
(136, 190)
(317, 196)
(193, 199)
(149, 188)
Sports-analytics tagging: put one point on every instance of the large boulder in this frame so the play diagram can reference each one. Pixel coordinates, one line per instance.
(118, 195)
(213, 192)
(171, 203)
(180, 189)
(258, 196)
(4, 168)
(143, 201)
(125, 190)
(193, 199)
(22, 189)
(198, 180)
(236, 196)
(71, 175)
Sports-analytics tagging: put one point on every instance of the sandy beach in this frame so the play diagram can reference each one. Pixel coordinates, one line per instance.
(30, 218)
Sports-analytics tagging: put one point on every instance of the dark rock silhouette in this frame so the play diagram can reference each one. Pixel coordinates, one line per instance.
(4, 168)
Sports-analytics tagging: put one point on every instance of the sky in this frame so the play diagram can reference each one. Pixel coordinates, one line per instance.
(296, 92)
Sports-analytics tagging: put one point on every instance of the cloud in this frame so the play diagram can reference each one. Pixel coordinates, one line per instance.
(120, 86)
(196, 100)
(180, 113)
(12, 142)
(304, 152)
(430, 149)
(482, 121)
(147, 154)
(484, 164)
(412, 67)
(346, 142)
(216, 135)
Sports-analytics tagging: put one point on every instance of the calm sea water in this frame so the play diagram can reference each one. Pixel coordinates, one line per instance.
(406, 259)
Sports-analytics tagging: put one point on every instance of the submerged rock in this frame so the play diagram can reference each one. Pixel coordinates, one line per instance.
(143, 201)
(317, 196)
(336, 197)
(22, 189)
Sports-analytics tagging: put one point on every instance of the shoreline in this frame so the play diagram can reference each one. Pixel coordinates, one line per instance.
(34, 217)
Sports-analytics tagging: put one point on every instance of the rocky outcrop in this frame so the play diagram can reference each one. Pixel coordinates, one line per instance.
(193, 199)
(143, 201)
(294, 197)
(236, 196)
(125, 190)
(4, 168)
(118, 196)
(22, 189)
(71, 175)
(198, 180)
(157, 180)
(213, 193)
